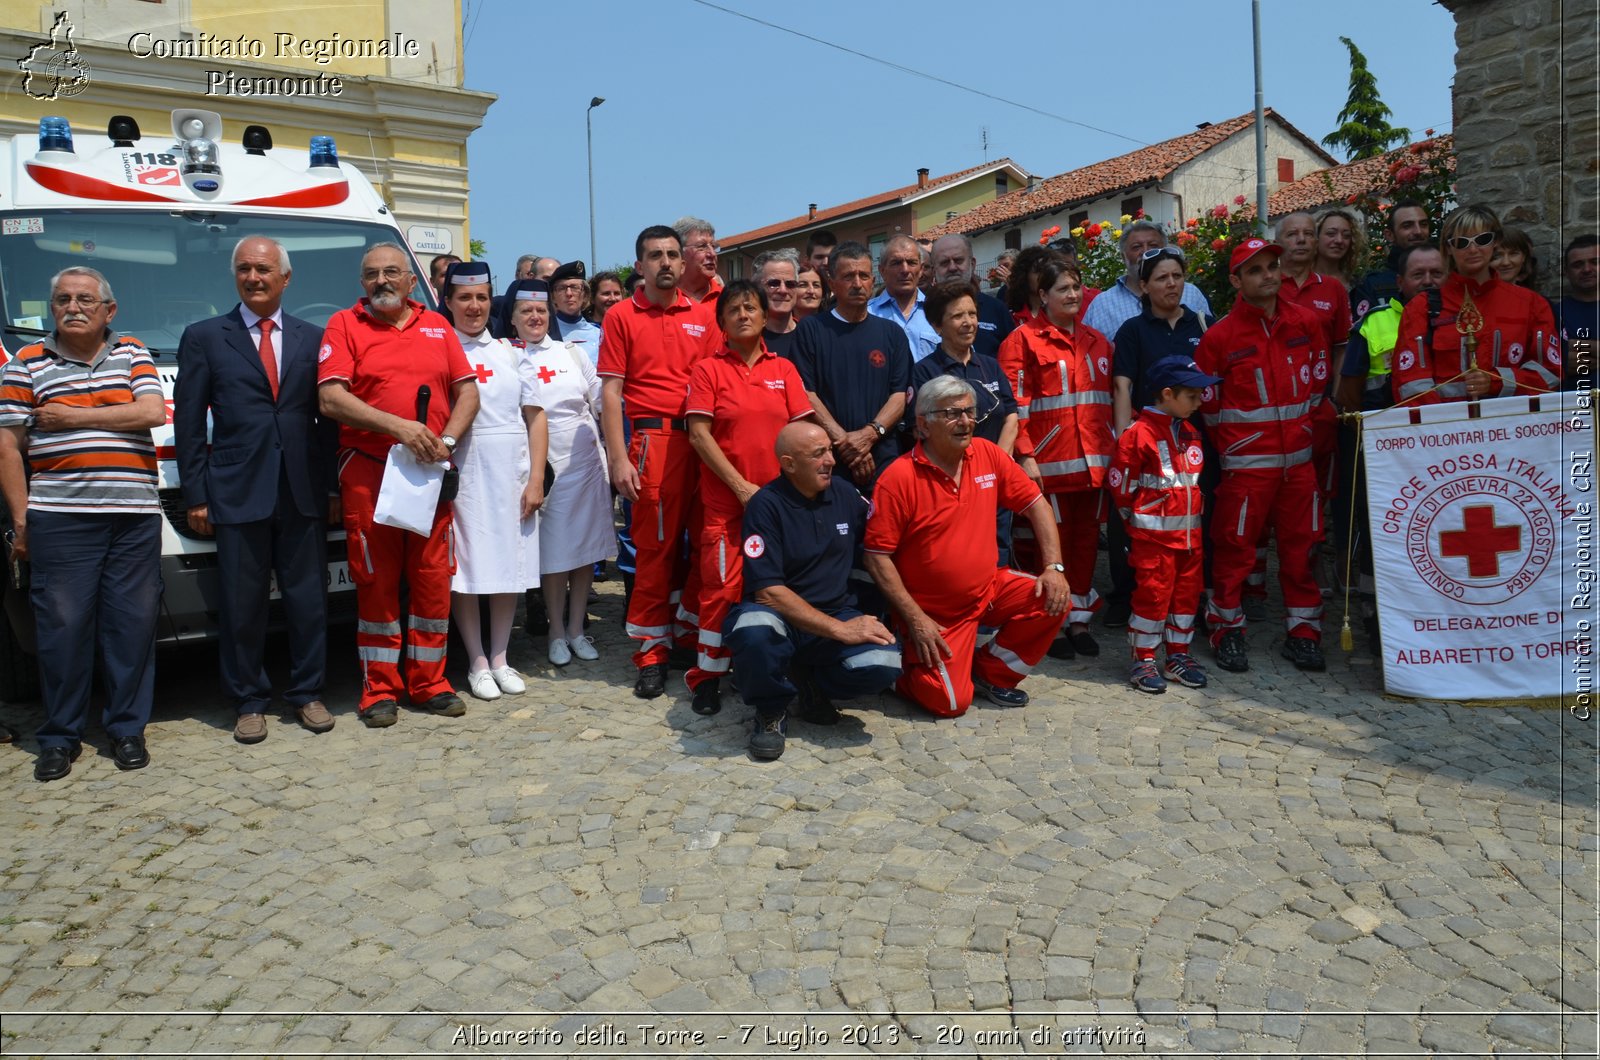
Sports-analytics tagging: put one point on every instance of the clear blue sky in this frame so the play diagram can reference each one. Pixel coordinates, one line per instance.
(707, 113)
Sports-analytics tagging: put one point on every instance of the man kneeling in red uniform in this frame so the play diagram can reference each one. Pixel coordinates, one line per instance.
(930, 546)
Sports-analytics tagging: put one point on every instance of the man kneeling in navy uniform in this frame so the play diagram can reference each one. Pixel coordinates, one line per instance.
(798, 632)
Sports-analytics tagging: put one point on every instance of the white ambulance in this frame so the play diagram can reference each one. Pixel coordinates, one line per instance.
(159, 214)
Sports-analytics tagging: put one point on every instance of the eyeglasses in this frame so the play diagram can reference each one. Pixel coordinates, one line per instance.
(82, 301)
(699, 248)
(968, 412)
(393, 272)
(773, 285)
(1482, 239)
(1156, 252)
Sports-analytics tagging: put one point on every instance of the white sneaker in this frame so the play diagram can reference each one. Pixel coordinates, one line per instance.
(560, 653)
(482, 684)
(509, 680)
(583, 648)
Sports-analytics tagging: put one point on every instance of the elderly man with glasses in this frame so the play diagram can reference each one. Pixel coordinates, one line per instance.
(930, 546)
(777, 272)
(700, 281)
(79, 405)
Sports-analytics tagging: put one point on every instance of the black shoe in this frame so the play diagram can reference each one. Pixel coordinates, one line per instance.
(767, 736)
(1000, 697)
(129, 753)
(815, 707)
(55, 762)
(380, 715)
(1305, 653)
(707, 698)
(446, 705)
(1061, 648)
(652, 681)
(1231, 655)
(1117, 613)
(1084, 644)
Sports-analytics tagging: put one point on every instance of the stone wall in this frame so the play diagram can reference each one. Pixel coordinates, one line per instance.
(1527, 118)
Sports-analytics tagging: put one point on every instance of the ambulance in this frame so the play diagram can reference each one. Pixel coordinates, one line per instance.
(159, 214)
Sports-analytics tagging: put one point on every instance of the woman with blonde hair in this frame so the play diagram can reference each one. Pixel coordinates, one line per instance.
(1341, 245)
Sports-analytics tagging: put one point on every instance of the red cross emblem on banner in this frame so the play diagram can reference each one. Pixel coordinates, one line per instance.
(484, 373)
(1480, 541)
(545, 374)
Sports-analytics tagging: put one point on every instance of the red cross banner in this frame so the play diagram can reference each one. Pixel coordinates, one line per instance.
(1483, 546)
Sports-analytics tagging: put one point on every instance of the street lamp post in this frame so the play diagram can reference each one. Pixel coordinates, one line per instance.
(588, 127)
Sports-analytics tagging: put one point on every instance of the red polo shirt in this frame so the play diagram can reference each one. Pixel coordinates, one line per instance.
(652, 351)
(940, 531)
(384, 365)
(1327, 300)
(748, 406)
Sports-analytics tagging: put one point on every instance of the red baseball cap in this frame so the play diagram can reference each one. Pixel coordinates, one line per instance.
(1249, 249)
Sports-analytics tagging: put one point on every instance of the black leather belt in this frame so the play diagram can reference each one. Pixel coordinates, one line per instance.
(655, 423)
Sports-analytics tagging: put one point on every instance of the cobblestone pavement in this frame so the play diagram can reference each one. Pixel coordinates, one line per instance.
(1278, 864)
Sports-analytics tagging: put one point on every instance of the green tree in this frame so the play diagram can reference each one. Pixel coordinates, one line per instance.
(1364, 129)
(477, 249)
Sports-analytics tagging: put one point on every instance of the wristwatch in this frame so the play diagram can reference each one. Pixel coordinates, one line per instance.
(449, 442)
(880, 428)
(1059, 568)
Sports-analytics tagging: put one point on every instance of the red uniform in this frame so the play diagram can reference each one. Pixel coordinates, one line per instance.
(652, 351)
(1155, 483)
(1327, 299)
(940, 534)
(1259, 418)
(1518, 343)
(384, 365)
(748, 406)
(1063, 387)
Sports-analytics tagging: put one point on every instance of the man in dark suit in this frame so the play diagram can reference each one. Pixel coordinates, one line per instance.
(265, 484)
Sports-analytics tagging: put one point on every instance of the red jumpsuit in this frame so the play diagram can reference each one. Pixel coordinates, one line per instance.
(384, 365)
(748, 406)
(1063, 387)
(652, 350)
(940, 534)
(1328, 300)
(1518, 343)
(1259, 419)
(1155, 484)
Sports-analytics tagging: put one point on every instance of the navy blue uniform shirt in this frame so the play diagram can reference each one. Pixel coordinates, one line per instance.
(854, 368)
(1145, 339)
(810, 546)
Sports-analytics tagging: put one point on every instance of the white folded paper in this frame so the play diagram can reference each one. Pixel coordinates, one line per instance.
(409, 496)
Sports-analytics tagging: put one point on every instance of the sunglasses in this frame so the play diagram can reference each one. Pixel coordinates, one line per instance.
(773, 285)
(1482, 239)
(1156, 252)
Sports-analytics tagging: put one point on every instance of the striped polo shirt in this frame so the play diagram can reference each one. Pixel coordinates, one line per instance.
(97, 471)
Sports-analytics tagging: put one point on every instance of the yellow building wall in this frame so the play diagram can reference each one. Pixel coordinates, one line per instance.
(935, 209)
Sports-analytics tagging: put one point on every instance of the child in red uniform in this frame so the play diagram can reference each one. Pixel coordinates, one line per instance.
(1155, 484)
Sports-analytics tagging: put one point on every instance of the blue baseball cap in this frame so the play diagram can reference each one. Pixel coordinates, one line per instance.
(1176, 372)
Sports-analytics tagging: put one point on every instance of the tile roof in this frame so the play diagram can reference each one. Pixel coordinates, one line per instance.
(1336, 184)
(756, 235)
(1134, 169)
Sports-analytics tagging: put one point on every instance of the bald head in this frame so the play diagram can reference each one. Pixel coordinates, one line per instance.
(805, 456)
(797, 436)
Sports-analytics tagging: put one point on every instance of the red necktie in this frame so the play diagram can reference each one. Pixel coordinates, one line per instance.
(269, 360)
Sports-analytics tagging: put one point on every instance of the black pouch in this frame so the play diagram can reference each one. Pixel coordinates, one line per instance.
(450, 486)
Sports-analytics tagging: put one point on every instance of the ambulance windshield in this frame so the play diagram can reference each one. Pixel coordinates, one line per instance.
(170, 269)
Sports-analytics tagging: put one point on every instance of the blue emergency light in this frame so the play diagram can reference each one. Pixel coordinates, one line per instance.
(324, 153)
(55, 134)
